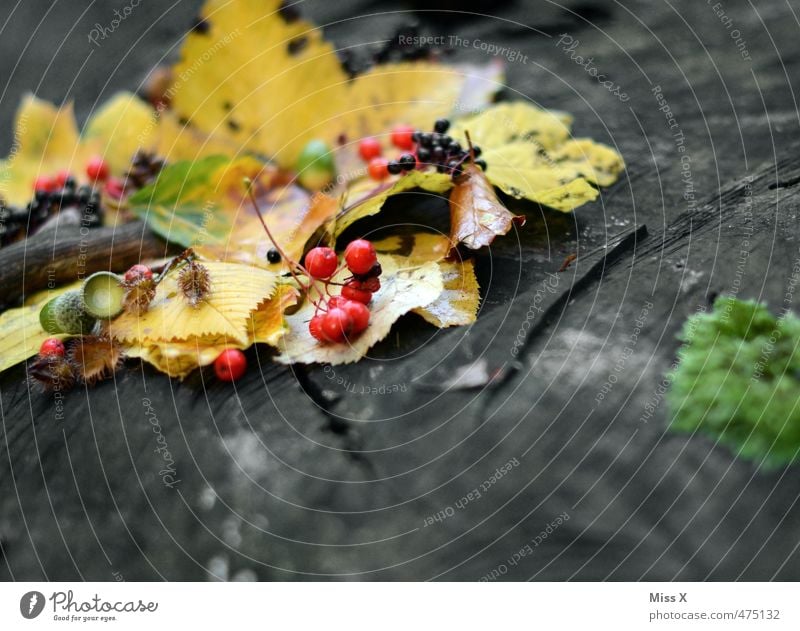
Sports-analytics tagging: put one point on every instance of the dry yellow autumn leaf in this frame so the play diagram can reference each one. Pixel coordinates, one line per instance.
(531, 154)
(236, 290)
(21, 334)
(403, 288)
(178, 358)
(271, 85)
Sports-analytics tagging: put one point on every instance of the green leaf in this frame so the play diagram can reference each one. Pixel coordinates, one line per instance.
(179, 202)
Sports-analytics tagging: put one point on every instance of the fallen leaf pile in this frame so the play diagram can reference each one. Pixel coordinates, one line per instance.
(254, 87)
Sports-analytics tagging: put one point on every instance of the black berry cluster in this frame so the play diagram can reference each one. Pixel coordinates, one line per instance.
(18, 223)
(436, 148)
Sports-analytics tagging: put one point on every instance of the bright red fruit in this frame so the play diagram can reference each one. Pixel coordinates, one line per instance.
(52, 346)
(230, 364)
(321, 262)
(359, 314)
(97, 169)
(354, 290)
(138, 272)
(45, 184)
(360, 256)
(315, 327)
(369, 148)
(378, 168)
(403, 137)
(336, 325)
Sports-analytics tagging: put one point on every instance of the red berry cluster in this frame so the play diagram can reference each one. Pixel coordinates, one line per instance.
(339, 318)
(97, 171)
(422, 149)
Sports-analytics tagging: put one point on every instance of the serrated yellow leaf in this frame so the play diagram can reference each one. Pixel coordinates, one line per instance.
(21, 334)
(402, 289)
(236, 290)
(180, 357)
(530, 154)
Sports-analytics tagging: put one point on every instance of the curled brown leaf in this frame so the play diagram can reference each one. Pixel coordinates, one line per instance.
(477, 216)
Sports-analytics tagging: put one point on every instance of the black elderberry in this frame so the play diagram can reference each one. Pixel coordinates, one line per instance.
(441, 125)
(455, 167)
(408, 161)
(455, 147)
(445, 141)
(476, 150)
(273, 256)
(394, 167)
(426, 139)
(424, 154)
(481, 164)
(438, 153)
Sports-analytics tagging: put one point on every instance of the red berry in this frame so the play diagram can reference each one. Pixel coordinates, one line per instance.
(336, 325)
(138, 272)
(52, 346)
(369, 148)
(354, 290)
(378, 168)
(45, 184)
(359, 314)
(403, 137)
(321, 262)
(230, 364)
(97, 169)
(360, 256)
(61, 178)
(315, 327)
(336, 301)
(115, 188)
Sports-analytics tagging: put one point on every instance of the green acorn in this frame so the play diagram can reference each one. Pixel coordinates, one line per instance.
(315, 167)
(66, 314)
(103, 294)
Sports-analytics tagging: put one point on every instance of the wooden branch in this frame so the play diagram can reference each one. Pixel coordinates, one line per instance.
(70, 253)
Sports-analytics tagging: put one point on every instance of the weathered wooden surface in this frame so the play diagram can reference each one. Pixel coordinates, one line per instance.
(294, 475)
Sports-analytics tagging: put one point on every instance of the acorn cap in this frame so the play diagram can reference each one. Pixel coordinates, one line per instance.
(66, 314)
(103, 295)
